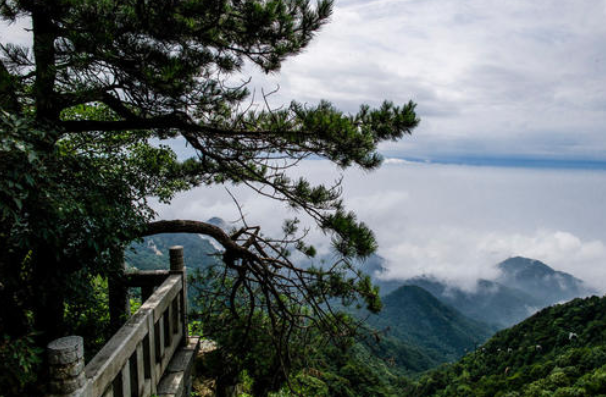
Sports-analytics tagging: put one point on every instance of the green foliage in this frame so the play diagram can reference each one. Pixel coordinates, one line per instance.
(321, 369)
(558, 352)
(281, 357)
(67, 205)
(413, 316)
(405, 357)
(19, 359)
(87, 310)
(246, 349)
(332, 371)
(102, 81)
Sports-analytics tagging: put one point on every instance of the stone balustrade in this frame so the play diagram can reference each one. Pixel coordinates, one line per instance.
(150, 355)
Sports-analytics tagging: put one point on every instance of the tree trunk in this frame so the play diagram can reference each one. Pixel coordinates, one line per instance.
(119, 301)
(48, 298)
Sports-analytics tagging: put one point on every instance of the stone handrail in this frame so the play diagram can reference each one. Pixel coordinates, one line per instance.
(134, 360)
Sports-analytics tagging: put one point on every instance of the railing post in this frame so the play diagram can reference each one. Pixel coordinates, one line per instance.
(66, 366)
(177, 266)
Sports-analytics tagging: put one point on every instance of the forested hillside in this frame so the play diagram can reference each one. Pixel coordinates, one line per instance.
(417, 332)
(412, 315)
(560, 351)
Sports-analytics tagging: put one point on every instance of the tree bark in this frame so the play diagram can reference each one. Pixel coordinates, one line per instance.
(8, 98)
(49, 297)
(183, 226)
(119, 301)
(44, 52)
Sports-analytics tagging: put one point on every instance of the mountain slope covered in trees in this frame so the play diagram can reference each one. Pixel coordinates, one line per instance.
(490, 302)
(560, 351)
(411, 314)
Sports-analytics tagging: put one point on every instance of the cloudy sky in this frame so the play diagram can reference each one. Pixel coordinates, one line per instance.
(495, 81)
(510, 156)
(451, 221)
(511, 151)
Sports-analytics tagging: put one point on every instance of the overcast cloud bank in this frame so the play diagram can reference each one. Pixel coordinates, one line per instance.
(453, 222)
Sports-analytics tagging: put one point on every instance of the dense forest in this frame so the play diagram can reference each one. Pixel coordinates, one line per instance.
(560, 351)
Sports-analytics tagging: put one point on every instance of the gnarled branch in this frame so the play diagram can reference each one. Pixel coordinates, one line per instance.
(187, 226)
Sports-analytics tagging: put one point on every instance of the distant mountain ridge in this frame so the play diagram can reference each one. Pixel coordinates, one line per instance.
(219, 222)
(546, 285)
(491, 302)
(424, 321)
(152, 252)
(523, 287)
(416, 330)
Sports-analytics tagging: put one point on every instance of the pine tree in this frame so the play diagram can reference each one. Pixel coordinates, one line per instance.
(101, 78)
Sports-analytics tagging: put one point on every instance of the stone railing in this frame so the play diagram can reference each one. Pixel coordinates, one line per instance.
(150, 355)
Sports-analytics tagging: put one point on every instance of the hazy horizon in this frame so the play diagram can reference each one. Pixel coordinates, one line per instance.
(453, 222)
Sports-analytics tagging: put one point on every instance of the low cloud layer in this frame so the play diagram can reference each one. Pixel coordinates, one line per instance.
(460, 255)
(453, 222)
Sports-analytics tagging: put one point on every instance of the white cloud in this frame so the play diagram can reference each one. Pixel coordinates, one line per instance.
(461, 255)
(389, 161)
(562, 250)
(491, 78)
(451, 221)
(514, 78)
(16, 33)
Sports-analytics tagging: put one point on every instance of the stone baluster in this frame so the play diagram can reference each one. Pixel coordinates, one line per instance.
(66, 366)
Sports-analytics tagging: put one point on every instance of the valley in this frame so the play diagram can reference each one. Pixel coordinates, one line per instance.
(426, 323)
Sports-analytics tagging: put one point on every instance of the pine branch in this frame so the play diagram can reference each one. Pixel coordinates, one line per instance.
(8, 98)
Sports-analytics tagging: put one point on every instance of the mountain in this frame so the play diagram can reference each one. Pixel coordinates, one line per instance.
(414, 316)
(560, 351)
(374, 266)
(199, 253)
(416, 331)
(546, 285)
(219, 222)
(490, 302)
(523, 287)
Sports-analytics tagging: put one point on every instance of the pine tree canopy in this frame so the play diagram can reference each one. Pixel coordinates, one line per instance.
(103, 77)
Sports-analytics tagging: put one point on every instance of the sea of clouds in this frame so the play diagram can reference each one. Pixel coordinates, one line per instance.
(452, 222)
